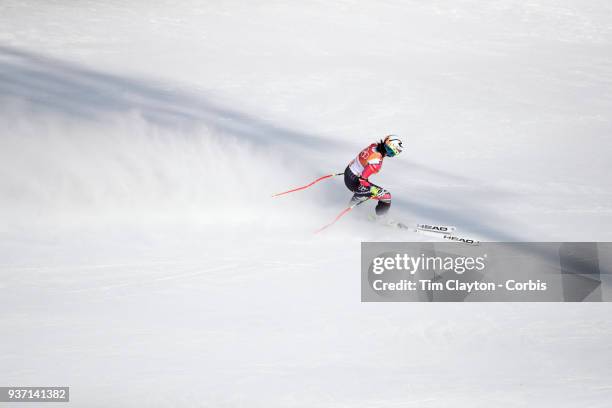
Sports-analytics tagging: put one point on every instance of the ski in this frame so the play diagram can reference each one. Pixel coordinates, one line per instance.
(449, 237)
(463, 240)
(442, 229)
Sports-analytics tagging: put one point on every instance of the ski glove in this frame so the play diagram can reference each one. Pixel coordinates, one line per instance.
(371, 191)
(377, 192)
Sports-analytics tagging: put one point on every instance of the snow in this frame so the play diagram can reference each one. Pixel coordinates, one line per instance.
(143, 262)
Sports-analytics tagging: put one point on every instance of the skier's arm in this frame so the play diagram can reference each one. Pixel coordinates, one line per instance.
(370, 169)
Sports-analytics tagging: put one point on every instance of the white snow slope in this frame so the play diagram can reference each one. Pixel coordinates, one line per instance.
(144, 264)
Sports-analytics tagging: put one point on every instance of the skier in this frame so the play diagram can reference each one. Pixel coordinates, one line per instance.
(369, 161)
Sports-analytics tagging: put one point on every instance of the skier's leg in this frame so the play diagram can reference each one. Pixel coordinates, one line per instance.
(384, 203)
(382, 208)
(362, 194)
(351, 181)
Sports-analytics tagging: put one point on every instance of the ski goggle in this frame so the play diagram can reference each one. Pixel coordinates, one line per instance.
(391, 150)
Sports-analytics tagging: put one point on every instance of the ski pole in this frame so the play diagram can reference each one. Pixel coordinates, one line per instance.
(347, 209)
(342, 213)
(308, 185)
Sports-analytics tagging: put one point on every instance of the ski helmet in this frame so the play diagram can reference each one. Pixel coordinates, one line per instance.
(393, 145)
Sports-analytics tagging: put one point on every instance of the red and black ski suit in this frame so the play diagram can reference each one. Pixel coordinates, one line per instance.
(369, 161)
